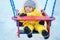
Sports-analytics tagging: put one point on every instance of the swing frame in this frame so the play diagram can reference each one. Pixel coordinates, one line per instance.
(44, 18)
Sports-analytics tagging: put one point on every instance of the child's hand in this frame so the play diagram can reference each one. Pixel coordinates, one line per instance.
(23, 14)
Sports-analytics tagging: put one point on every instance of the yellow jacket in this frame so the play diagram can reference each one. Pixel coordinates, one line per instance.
(33, 13)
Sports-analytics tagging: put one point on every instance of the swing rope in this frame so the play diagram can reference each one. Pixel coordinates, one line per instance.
(45, 4)
(13, 8)
(53, 8)
(53, 11)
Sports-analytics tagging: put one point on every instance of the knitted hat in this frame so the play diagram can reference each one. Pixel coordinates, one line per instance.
(30, 3)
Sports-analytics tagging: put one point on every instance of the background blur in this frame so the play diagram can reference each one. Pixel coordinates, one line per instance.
(8, 29)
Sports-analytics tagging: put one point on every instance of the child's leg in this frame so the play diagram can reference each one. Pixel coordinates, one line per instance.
(42, 30)
(28, 29)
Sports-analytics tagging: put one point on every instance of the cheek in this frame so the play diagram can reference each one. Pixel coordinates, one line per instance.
(26, 9)
(30, 9)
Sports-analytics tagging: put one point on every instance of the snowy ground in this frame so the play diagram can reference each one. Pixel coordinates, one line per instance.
(8, 27)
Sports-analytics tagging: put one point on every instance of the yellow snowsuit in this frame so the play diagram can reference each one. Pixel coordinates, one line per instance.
(33, 24)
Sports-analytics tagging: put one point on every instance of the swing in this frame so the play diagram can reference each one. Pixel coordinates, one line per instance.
(44, 18)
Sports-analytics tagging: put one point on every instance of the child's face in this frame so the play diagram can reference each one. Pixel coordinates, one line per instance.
(28, 9)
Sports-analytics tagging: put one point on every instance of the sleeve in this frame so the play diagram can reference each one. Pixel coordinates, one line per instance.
(22, 13)
(38, 13)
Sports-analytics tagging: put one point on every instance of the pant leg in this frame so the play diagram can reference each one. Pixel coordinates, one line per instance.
(40, 28)
(29, 27)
